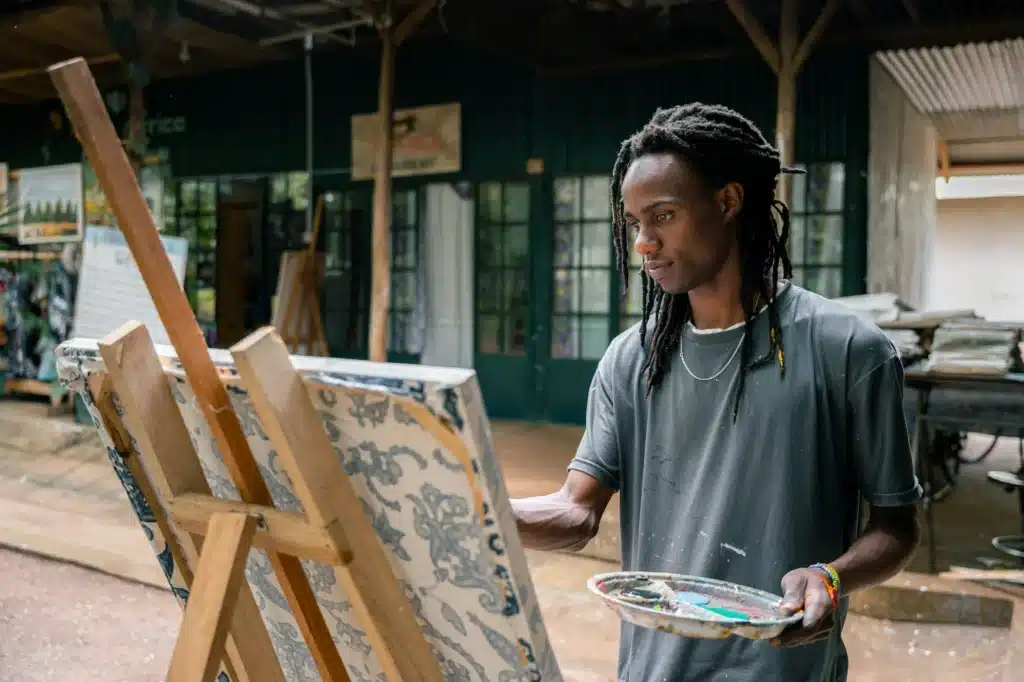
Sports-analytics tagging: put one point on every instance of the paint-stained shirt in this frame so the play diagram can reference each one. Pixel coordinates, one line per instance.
(748, 500)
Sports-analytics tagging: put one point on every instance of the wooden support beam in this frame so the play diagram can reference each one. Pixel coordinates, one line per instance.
(912, 10)
(757, 34)
(280, 531)
(785, 58)
(412, 20)
(204, 629)
(812, 37)
(785, 103)
(92, 124)
(381, 259)
(297, 433)
(944, 160)
(961, 169)
(860, 9)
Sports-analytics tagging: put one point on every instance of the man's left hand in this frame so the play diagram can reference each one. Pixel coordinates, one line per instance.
(804, 590)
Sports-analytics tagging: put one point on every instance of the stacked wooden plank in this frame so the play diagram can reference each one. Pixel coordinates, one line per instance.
(975, 347)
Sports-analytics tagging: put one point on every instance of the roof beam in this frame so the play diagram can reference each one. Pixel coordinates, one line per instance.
(28, 9)
(912, 9)
(790, 52)
(815, 33)
(758, 36)
(860, 9)
(413, 19)
(935, 35)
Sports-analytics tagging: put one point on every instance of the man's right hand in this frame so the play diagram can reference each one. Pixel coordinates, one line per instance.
(564, 520)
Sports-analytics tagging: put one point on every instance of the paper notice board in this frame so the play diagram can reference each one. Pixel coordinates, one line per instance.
(110, 289)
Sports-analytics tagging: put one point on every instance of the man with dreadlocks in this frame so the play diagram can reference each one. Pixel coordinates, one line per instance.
(743, 421)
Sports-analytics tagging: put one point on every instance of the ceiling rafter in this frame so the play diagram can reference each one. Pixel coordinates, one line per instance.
(550, 36)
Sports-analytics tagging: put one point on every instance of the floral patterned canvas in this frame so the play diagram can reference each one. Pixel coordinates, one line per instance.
(464, 572)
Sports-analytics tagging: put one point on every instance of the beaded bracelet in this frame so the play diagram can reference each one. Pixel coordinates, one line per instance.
(832, 594)
(832, 581)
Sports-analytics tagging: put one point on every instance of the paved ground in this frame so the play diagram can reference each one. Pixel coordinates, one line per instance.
(61, 622)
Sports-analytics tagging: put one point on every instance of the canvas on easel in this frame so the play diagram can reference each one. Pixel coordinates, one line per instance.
(438, 506)
(319, 519)
(296, 310)
(296, 313)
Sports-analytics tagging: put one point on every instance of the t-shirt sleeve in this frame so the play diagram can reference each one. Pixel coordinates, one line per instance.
(598, 452)
(880, 441)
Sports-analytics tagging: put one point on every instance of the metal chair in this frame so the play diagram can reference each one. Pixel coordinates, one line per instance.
(1012, 482)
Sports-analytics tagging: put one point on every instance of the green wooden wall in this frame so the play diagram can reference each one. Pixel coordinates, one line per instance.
(252, 121)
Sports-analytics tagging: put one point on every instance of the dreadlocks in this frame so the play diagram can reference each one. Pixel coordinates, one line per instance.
(724, 147)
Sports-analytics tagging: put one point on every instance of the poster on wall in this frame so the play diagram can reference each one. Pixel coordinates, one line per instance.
(98, 211)
(8, 217)
(111, 291)
(428, 140)
(50, 202)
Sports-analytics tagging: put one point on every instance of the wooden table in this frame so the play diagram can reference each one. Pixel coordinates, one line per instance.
(980, 385)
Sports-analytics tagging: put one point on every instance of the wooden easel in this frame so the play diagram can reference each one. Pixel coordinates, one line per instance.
(298, 317)
(221, 621)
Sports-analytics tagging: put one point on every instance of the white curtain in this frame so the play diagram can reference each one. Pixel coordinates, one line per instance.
(448, 278)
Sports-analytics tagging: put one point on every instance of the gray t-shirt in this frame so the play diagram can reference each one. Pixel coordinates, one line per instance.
(748, 501)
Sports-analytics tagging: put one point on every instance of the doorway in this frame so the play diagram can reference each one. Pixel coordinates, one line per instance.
(240, 214)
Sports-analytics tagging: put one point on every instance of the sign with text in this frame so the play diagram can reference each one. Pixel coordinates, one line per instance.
(428, 141)
(111, 291)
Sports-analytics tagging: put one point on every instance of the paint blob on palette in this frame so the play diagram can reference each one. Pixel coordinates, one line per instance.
(691, 606)
(660, 596)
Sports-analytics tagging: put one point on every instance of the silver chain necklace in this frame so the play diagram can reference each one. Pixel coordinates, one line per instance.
(719, 372)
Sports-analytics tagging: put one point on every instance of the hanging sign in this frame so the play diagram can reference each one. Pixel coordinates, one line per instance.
(428, 141)
(50, 202)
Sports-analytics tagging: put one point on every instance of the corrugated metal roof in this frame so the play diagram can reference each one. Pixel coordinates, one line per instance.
(965, 78)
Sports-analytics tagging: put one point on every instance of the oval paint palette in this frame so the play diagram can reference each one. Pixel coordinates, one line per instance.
(690, 606)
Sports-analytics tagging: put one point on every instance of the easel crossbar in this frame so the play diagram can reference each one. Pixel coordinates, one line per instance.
(276, 530)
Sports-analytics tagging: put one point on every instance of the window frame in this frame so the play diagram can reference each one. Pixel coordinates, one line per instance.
(801, 218)
(512, 275)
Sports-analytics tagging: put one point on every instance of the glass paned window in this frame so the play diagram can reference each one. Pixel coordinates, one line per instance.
(817, 223)
(346, 234)
(190, 211)
(404, 335)
(502, 298)
(631, 305)
(584, 273)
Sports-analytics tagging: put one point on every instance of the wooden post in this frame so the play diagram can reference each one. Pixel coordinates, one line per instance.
(381, 289)
(785, 59)
(380, 296)
(785, 102)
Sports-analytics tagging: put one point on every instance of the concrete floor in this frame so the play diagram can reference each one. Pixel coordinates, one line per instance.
(58, 497)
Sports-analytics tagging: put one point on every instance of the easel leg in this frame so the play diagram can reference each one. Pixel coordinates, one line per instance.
(211, 603)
